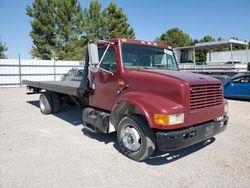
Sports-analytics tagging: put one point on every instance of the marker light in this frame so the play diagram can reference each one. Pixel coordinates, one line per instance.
(121, 83)
(168, 119)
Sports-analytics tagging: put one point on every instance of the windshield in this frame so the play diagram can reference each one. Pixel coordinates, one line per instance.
(147, 57)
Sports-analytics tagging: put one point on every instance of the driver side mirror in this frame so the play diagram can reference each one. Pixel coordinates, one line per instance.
(93, 54)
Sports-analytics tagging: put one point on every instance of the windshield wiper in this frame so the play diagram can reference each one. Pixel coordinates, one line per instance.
(142, 67)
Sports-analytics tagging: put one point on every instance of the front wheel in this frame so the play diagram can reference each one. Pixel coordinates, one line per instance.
(136, 140)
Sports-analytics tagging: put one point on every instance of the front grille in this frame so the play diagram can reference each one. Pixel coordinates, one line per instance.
(205, 95)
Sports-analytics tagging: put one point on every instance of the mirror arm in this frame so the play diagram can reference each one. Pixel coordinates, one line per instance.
(106, 71)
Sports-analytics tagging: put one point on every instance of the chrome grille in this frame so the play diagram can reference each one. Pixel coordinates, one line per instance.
(205, 95)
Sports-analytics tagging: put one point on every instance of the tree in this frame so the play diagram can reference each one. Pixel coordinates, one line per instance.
(116, 23)
(3, 49)
(109, 23)
(43, 28)
(60, 28)
(194, 41)
(175, 38)
(69, 21)
(207, 38)
(157, 39)
(94, 25)
(220, 39)
(234, 38)
(201, 55)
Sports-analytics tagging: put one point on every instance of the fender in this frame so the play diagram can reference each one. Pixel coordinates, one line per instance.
(150, 103)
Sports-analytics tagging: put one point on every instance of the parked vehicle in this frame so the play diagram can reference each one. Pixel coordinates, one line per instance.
(233, 62)
(229, 68)
(237, 87)
(135, 88)
(73, 74)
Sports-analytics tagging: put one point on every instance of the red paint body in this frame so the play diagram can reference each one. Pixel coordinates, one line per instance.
(152, 91)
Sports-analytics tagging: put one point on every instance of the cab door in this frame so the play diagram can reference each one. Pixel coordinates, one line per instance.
(104, 82)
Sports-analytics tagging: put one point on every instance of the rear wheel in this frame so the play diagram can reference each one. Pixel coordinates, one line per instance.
(57, 105)
(136, 140)
(45, 103)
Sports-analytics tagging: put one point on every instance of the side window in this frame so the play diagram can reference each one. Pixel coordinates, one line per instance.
(71, 74)
(237, 80)
(109, 61)
(248, 79)
(244, 79)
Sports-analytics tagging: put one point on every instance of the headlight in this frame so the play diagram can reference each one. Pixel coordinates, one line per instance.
(226, 108)
(168, 119)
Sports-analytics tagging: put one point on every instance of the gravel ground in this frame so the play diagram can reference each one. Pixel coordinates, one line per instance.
(53, 151)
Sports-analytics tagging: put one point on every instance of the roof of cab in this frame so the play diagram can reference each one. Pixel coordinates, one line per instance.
(140, 42)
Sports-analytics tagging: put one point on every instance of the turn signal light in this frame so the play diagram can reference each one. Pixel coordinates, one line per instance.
(161, 119)
(168, 119)
(121, 82)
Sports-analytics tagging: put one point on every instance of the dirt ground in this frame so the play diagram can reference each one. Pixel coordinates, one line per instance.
(53, 151)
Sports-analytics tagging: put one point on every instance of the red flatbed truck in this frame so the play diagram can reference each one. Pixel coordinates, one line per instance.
(135, 88)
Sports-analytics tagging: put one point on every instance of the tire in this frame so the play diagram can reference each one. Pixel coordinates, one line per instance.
(129, 129)
(45, 103)
(56, 102)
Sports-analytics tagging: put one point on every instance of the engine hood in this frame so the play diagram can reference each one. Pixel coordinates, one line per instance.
(170, 84)
(190, 78)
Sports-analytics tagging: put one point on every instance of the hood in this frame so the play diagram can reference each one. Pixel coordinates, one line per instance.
(191, 78)
(170, 84)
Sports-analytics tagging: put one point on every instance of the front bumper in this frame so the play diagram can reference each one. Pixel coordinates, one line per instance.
(172, 140)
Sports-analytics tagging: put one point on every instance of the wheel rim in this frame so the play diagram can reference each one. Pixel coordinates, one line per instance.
(42, 105)
(130, 138)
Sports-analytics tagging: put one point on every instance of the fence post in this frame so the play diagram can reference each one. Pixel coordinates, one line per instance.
(20, 73)
(54, 61)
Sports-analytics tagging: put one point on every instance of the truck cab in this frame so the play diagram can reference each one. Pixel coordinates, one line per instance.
(135, 88)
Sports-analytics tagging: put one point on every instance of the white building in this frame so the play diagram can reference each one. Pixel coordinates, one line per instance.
(225, 56)
(187, 54)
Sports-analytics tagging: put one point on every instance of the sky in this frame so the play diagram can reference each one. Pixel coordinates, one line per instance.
(149, 19)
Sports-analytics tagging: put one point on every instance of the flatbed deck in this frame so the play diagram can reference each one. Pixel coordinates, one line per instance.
(65, 87)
